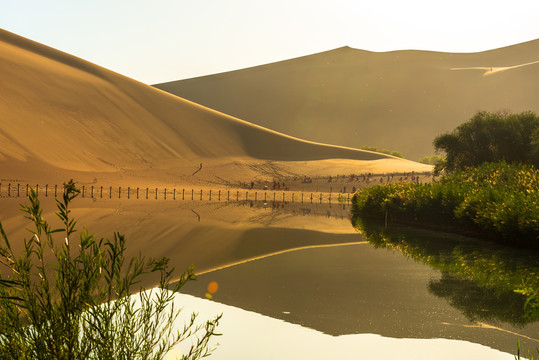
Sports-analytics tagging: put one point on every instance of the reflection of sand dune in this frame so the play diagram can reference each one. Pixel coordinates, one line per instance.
(492, 70)
(208, 234)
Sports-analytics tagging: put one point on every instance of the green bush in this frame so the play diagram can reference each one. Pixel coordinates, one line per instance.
(383, 151)
(73, 299)
(431, 160)
(496, 199)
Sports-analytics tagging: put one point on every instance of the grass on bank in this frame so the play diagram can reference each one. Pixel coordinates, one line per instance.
(72, 298)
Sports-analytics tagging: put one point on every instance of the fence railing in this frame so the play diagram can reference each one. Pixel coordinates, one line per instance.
(10, 190)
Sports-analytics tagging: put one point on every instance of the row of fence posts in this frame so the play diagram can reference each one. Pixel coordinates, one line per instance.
(98, 192)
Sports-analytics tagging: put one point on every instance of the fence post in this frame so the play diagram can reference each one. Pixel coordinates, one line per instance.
(128, 191)
(101, 191)
(283, 195)
(301, 197)
(200, 194)
(292, 197)
(37, 189)
(247, 195)
(256, 195)
(320, 198)
(174, 196)
(146, 193)
(46, 189)
(165, 196)
(26, 189)
(237, 195)
(219, 197)
(210, 194)
(55, 190)
(265, 196)
(311, 198)
(110, 193)
(92, 192)
(119, 191)
(18, 189)
(9, 189)
(228, 195)
(137, 192)
(192, 194)
(156, 193)
(183, 194)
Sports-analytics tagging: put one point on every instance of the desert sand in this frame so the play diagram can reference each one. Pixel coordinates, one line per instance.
(398, 100)
(62, 117)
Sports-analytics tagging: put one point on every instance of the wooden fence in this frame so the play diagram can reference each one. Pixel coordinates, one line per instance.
(10, 190)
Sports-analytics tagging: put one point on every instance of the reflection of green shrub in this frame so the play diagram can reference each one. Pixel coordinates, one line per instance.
(72, 300)
(496, 199)
(498, 275)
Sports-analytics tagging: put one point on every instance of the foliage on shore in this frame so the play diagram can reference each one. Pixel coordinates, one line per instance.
(74, 298)
(495, 200)
(431, 160)
(383, 151)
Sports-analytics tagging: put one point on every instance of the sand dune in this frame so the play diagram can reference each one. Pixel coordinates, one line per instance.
(399, 100)
(64, 117)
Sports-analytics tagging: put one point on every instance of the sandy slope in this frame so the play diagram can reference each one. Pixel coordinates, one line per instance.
(61, 117)
(398, 100)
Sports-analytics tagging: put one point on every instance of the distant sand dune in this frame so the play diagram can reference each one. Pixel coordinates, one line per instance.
(398, 100)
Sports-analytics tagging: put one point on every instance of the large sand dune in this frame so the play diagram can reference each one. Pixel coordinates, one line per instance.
(398, 100)
(61, 117)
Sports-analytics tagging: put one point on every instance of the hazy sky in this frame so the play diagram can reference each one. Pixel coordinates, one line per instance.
(164, 40)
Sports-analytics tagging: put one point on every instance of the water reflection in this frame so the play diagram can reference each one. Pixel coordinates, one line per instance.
(478, 277)
(481, 304)
(365, 289)
(306, 264)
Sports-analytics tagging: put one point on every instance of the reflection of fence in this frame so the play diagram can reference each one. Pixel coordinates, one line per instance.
(11, 190)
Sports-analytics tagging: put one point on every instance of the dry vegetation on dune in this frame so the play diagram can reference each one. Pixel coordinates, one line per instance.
(397, 100)
(63, 117)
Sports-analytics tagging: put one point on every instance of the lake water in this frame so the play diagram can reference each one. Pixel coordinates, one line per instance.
(306, 264)
(357, 288)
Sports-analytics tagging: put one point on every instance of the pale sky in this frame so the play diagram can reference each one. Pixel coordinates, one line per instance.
(164, 40)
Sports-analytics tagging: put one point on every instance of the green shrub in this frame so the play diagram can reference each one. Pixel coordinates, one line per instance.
(383, 151)
(431, 160)
(496, 199)
(73, 299)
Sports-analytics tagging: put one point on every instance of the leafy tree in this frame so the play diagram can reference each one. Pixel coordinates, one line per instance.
(491, 137)
(74, 299)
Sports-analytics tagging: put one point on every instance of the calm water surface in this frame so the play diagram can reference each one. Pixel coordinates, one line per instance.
(366, 288)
